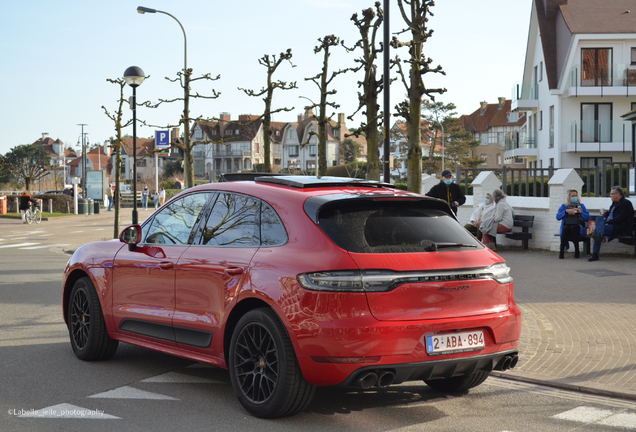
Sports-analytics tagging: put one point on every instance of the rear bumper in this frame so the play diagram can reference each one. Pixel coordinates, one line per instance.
(434, 369)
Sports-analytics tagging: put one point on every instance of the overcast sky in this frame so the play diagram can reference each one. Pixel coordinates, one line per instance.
(55, 58)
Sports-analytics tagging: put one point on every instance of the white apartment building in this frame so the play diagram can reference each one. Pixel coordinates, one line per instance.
(579, 79)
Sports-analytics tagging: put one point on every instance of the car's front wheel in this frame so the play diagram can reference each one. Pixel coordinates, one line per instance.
(459, 383)
(86, 326)
(263, 368)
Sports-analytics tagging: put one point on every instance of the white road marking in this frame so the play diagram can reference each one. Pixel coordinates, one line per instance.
(174, 377)
(68, 411)
(18, 245)
(45, 235)
(45, 246)
(130, 393)
(75, 232)
(623, 420)
(584, 414)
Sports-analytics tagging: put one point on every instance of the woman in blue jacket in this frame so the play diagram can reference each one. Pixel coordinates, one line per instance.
(571, 214)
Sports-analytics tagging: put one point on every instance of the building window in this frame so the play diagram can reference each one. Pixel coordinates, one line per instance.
(541, 71)
(141, 163)
(484, 139)
(214, 132)
(596, 67)
(596, 122)
(198, 133)
(236, 132)
(552, 162)
(228, 132)
(518, 161)
(336, 133)
(484, 159)
(501, 140)
(312, 150)
(277, 133)
(552, 126)
(591, 162)
(634, 56)
(293, 150)
(292, 134)
(540, 120)
(499, 159)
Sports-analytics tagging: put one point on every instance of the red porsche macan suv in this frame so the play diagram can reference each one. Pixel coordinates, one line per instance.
(293, 282)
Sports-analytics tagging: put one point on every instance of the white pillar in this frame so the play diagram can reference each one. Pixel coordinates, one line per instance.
(485, 182)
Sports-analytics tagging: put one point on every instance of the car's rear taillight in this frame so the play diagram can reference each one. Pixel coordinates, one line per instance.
(387, 280)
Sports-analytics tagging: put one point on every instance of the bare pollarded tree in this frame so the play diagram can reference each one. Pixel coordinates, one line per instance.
(415, 15)
(185, 78)
(368, 26)
(271, 63)
(323, 80)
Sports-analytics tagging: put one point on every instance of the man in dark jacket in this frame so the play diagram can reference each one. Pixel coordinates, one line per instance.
(448, 191)
(618, 220)
(25, 200)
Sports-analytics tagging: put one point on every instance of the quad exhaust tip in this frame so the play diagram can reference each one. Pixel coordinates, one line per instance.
(381, 379)
(508, 362)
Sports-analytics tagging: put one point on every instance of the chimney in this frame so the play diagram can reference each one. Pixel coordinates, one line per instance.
(224, 121)
(502, 102)
(174, 135)
(107, 149)
(45, 135)
(341, 128)
(484, 105)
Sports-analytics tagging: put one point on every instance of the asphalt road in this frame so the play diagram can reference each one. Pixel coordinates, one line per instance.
(44, 387)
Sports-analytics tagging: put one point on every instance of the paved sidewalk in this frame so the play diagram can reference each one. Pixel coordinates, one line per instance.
(579, 318)
(579, 321)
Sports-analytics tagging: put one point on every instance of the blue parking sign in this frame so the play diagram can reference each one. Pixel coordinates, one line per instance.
(162, 139)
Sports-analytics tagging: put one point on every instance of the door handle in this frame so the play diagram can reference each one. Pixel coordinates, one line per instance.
(166, 265)
(234, 271)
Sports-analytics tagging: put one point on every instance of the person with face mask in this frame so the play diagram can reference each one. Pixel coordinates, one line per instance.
(482, 212)
(570, 214)
(448, 191)
(618, 220)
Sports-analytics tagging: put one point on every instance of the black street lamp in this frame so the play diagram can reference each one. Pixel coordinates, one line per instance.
(84, 143)
(134, 76)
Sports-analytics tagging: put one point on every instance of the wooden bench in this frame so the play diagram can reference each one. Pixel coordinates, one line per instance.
(586, 239)
(624, 239)
(525, 222)
(126, 199)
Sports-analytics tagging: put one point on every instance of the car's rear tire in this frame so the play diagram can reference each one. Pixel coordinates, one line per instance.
(86, 326)
(459, 383)
(263, 367)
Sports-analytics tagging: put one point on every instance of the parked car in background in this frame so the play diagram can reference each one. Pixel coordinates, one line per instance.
(293, 282)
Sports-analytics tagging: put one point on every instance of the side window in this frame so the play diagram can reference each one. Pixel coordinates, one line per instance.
(174, 223)
(272, 230)
(232, 222)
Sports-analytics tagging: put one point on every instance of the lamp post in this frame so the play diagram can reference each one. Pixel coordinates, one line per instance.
(83, 159)
(442, 126)
(134, 76)
(186, 82)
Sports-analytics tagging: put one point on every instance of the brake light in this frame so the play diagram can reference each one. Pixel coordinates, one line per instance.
(387, 280)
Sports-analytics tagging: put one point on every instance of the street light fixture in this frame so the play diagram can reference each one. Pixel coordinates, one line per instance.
(83, 159)
(134, 76)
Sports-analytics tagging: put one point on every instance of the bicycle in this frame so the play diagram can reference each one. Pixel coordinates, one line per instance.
(33, 215)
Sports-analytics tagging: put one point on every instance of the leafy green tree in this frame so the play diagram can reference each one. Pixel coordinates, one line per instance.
(415, 15)
(271, 63)
(457, 142)
(27, 163)
(172, 167)
(351, 151)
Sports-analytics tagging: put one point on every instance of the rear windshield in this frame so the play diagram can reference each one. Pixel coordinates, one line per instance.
(364, 226)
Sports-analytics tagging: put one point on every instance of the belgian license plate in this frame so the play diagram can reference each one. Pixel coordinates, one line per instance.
(455, 342)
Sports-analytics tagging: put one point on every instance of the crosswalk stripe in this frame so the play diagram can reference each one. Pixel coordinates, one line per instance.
(17, 245)
(44, 246)
(589, 415)
(130, 393)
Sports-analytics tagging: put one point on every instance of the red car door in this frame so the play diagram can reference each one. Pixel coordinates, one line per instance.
(144, 278)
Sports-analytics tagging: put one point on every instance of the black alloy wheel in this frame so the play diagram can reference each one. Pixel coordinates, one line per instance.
(86, 326)
(263, 368)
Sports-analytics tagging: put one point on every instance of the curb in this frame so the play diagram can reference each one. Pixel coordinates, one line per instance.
(568, 387)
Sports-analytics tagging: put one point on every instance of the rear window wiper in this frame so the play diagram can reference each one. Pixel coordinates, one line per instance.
(434, 246)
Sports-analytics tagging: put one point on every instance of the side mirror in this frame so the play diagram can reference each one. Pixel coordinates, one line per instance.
(131, 236)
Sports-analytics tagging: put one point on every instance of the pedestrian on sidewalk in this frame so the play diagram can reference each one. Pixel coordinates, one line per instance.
(571, 214)
(144, 198)
(155, 198)
(501, 221)
(162, 196)
(618, 220)
(109, 195)
(448, 191)
(482, 212)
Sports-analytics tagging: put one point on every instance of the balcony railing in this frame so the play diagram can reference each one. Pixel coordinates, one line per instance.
(614, 75)
(519, 140)
(524, 92)
(588, 131)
